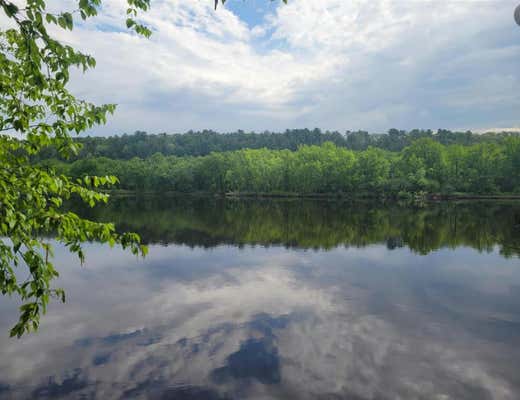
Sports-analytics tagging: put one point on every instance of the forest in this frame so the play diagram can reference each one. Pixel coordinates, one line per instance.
(143, 145)
(434, 164)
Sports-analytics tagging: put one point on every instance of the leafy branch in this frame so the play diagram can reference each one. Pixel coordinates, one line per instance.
(34, 73)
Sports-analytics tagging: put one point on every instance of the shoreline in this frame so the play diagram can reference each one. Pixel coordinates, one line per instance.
(324, 196)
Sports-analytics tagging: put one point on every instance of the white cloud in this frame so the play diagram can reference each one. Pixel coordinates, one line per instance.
(332, 64)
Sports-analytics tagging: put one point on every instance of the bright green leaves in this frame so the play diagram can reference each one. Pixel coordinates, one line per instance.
(88, 8)
(131, 23)
(96, 181)
(65, 21)
(36, 105)
(51, 19)
(142, 30)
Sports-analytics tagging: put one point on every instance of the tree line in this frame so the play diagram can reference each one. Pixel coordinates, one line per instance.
(425, 165)
(144, 145)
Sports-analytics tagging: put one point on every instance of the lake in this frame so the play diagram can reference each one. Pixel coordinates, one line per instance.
(282, 299)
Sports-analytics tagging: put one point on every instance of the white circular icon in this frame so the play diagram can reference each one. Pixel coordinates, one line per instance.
(517, 15)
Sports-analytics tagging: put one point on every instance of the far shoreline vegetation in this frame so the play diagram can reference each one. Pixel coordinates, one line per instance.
(340, 196)
(418, 164)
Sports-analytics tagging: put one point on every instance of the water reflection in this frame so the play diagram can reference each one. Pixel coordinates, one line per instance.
(209, 222)
(198, 320)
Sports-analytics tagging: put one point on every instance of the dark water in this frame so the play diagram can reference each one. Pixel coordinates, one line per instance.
(282, 300)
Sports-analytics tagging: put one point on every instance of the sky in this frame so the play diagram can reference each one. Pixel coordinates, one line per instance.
(333, 64)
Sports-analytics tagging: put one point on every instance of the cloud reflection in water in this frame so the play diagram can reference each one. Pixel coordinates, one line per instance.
(254, 322)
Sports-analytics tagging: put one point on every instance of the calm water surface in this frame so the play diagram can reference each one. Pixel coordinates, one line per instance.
(282, 300)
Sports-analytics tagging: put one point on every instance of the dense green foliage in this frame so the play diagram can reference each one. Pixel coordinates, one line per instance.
(203, 143)
(423, 166)
(313, 224)
(37, 108)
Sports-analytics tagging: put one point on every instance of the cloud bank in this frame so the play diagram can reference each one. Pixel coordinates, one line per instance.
(332, 64)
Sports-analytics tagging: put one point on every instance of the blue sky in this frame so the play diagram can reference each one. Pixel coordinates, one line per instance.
(259, 64)
(252, 12)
